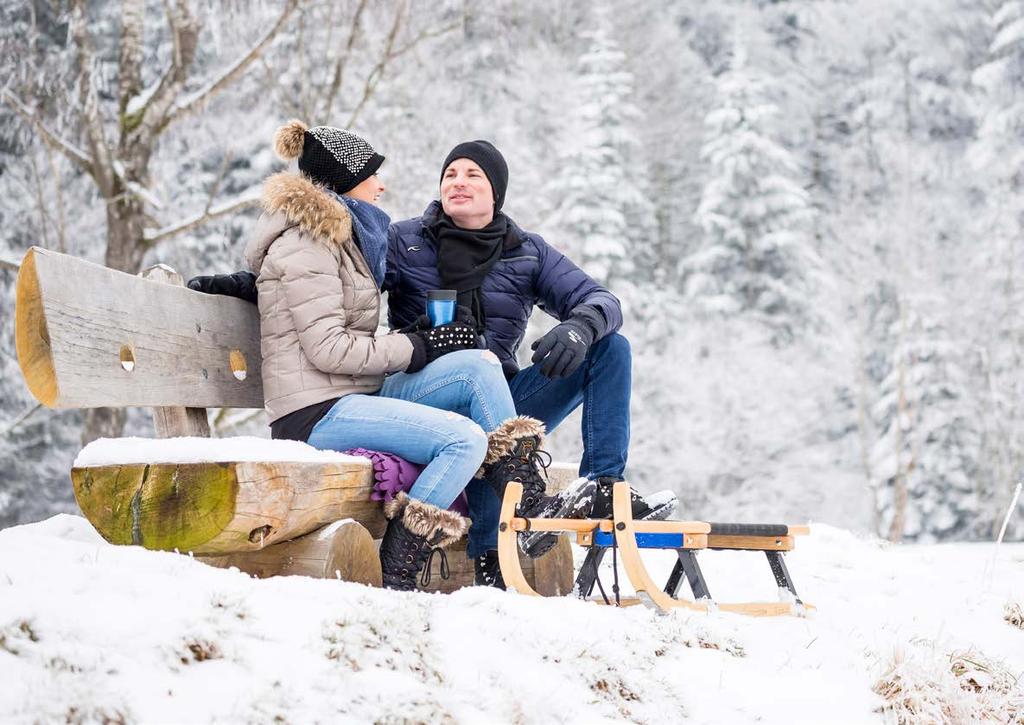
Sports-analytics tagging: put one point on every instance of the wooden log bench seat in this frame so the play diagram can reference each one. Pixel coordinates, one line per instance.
(88, 336)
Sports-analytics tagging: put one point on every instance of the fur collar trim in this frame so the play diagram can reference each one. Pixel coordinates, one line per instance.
(307, 206)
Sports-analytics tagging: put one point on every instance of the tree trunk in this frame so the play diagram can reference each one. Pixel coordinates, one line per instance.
(102, 423)
(125, 251)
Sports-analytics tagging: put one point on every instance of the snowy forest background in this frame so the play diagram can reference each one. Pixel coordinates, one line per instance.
(812, 212)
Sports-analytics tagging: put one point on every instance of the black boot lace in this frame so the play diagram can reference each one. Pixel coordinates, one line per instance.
(526, 468)
(444, 570)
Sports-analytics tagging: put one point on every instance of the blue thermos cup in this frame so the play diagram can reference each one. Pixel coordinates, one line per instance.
(441, 306)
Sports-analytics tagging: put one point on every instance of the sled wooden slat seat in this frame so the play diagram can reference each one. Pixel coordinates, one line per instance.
(755, 537)
(88, 336)
(751, 543)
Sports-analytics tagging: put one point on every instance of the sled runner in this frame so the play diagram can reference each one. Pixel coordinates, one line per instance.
(626, 537)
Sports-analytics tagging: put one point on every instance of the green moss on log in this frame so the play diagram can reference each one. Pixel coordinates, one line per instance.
(105, 494)
(158, 506)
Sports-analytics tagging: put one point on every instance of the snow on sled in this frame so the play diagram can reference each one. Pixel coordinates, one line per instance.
(626, 538)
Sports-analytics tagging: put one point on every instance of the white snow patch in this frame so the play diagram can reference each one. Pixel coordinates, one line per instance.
(116, 451)
(93, 632)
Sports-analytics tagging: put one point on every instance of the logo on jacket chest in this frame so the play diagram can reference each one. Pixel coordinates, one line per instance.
(413, 248)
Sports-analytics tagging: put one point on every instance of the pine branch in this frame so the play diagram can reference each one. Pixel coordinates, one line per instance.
(194, 101)
(74, 154)
(249, 198)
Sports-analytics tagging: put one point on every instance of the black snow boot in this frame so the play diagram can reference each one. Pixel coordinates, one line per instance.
(415, 530)
(514, 454)
(487, 570)
(658, 508)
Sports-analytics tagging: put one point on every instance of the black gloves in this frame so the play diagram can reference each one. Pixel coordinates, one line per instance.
(563, 349)
(240, 284)
(430, 344)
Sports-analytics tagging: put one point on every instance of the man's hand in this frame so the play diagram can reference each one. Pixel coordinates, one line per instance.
(563, 349)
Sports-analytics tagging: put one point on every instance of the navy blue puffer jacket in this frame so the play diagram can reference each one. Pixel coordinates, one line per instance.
(530, 272)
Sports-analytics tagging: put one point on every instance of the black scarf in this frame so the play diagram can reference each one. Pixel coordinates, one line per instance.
(466, 256)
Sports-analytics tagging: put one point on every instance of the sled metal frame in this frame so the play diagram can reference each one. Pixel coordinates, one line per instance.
(628, 537)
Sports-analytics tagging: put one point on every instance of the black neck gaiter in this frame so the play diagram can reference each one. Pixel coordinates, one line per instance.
(465, 256)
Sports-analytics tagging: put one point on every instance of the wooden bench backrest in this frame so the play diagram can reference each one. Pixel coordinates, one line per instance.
(88, 336)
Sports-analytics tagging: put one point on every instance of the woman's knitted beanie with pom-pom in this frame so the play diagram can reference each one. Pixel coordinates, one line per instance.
(329, 156)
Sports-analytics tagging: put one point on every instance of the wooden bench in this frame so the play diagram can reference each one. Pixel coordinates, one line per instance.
(88, 336)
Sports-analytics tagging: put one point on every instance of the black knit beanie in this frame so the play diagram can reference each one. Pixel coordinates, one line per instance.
(329, 156)
(487, 158)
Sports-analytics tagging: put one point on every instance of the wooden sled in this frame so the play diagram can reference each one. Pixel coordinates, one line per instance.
(626, 537)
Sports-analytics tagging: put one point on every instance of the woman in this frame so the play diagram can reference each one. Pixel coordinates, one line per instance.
(319, 252)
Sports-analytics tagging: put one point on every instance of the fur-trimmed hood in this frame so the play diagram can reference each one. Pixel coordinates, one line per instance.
(292, 200)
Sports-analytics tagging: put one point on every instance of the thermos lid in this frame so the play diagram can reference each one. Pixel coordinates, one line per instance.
(436, 295)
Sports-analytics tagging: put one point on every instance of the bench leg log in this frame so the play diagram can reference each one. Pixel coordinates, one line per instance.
(343, 550)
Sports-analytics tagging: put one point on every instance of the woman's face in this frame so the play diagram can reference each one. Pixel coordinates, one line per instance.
(466, 194)
(368, 190)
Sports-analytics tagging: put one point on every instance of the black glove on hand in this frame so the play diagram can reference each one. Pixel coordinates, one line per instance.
(429, 345)
(240, 284)
(563, 349)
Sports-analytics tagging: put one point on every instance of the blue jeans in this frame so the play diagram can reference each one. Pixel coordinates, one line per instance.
(437, 417)
(602, 384)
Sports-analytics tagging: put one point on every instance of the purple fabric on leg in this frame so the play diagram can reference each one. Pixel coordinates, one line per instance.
(392, 474)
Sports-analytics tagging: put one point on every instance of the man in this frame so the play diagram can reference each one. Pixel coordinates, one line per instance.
(466, 243)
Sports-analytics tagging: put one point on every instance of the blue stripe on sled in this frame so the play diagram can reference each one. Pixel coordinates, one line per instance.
(643, 541)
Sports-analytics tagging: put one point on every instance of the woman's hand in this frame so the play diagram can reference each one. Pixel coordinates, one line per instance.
(429, 345)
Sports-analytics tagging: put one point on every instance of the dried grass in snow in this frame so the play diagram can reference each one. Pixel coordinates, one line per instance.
(921, 685)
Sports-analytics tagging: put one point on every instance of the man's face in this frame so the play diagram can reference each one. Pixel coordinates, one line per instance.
(466, 194)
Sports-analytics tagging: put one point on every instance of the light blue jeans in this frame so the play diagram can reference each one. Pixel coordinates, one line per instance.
(437, 417)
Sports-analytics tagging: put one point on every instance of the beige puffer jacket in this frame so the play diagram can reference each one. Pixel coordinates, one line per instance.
(319, 305)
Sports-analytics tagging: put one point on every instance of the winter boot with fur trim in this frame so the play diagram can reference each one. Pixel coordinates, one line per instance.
(514, 454)
(415, 531)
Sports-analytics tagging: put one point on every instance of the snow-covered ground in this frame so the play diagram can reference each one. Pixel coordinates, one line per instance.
(94, 632)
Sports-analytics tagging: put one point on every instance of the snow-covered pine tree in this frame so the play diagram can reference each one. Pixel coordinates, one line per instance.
(927, 454)
(997, 157)
(906, 119)
(604, 214)
(756, 256)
